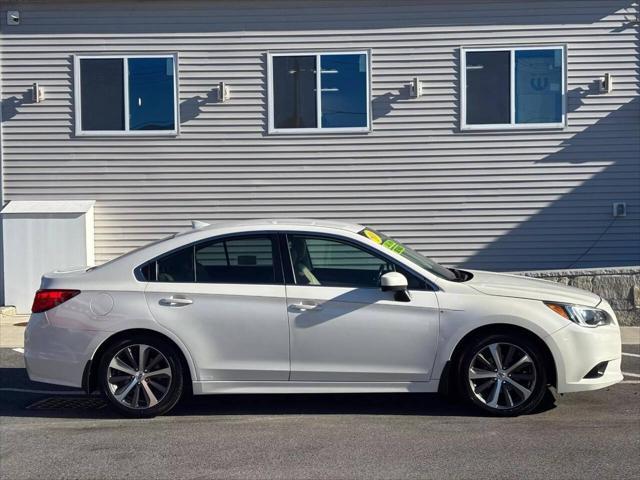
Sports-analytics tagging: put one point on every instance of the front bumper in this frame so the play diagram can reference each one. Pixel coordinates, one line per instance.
(57, 355)
(577, 350)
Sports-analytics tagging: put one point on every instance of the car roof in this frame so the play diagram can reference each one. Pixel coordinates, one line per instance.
(283, 223)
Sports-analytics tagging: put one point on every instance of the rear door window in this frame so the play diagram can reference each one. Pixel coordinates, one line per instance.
(250, 260)
(176, 267)
(236, 260)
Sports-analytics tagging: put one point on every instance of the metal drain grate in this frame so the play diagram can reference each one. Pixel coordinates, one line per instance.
(67, 403)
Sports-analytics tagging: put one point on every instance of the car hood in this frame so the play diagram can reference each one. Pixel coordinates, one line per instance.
(505, 285)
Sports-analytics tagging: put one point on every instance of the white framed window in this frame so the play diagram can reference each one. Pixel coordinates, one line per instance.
(319, 92)
(513, 87)
(126, 94)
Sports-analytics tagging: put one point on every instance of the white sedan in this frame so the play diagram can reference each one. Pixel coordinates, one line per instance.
(290, 306)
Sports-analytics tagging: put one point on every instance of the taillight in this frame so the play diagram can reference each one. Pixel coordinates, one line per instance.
(47, 299)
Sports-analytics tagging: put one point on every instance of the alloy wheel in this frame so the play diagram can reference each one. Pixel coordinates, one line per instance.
(502, 376)
(139, 376)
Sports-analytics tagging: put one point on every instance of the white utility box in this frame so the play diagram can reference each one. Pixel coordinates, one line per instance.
(39, 237)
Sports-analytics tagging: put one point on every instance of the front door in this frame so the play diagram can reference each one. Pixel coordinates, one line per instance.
(225, 299)
(344, 328)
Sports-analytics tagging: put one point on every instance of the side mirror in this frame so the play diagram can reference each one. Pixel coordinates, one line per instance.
(393, 282)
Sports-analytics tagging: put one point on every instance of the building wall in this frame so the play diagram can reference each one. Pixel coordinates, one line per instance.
(505, 200)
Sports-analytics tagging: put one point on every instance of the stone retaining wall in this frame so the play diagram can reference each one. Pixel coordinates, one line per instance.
(620, 286)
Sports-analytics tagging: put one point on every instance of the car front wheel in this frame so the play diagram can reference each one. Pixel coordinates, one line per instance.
(503, 375)
(141, 377)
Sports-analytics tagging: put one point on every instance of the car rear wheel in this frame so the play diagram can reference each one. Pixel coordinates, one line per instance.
(141, 377)
(503, 375)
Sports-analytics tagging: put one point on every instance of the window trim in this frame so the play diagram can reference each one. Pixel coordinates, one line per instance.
(271, 129)
(512, 125)
(271, 235)
(77, 111)
(289, 273)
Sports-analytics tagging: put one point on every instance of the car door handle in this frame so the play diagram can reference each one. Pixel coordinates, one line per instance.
(303, 307)
(175, 301)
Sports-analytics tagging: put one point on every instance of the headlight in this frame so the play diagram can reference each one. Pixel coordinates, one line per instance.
(585, 316)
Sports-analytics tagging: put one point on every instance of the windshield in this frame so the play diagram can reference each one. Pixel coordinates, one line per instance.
(408, 253)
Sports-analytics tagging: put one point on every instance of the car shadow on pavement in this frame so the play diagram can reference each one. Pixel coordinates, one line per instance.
(19, 397)
(323, 404)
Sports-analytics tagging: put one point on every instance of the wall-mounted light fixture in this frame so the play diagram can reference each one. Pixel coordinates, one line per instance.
(224, 93)
(606, 83)
(13, 17)
(415, 88)
(37, 93)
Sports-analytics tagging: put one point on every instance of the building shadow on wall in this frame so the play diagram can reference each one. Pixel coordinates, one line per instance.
(579, 230)
(11, 104)
(383, 104)
(192, 107)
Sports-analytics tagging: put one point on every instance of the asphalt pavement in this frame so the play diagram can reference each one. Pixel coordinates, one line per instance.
(50, 432)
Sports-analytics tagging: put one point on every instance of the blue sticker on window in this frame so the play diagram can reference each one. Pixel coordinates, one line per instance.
(538, 91)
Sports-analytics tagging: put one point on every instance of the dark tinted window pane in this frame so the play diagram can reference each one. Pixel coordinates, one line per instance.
(294, 92)
(488, 88)
(211, 255)
(102, 94)
(151, 94)
(177, 267)
(344, 91)
(250, 252)
(148, 272)
(538, 86)
(241, 260)
(327, 262)
(330, 254)
(318, 261)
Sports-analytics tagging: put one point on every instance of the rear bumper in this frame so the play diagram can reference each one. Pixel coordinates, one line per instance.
(577, 350)
(57, 355)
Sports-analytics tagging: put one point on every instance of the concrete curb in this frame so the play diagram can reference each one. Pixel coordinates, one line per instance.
(11, 334)
(7, 311)
(630, 335)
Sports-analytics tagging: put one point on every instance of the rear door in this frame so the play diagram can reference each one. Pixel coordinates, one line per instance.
(225, 299)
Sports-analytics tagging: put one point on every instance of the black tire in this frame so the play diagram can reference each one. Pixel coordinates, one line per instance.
(166, 400)
(510, 400)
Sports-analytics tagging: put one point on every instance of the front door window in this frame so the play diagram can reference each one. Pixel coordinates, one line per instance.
(332, 262)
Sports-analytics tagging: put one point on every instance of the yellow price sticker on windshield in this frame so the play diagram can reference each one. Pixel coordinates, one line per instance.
(393, 246)
(372, 236)
(399, 249)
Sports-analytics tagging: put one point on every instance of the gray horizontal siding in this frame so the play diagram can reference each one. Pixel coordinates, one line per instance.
(517, 199)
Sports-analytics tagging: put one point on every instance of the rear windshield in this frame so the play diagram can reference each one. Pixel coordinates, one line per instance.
(408, 253)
